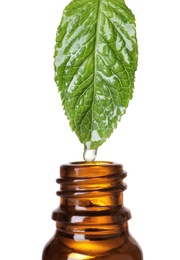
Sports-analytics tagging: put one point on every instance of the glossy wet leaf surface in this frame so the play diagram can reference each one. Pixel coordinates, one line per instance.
(95, 62)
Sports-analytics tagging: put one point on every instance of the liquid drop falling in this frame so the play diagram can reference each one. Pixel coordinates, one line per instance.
(90, 155)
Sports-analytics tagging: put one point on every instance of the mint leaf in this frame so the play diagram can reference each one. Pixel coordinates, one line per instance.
(95, 62)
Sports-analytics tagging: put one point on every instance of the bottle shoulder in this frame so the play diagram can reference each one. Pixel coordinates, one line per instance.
(124, 247)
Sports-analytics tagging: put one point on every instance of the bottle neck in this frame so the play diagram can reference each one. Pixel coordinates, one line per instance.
(91, 200)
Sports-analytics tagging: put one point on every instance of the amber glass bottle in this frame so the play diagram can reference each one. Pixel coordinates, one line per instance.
(91, 220)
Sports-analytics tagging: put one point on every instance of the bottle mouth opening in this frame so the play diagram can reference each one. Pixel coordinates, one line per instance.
(82, 169)
(84, 163)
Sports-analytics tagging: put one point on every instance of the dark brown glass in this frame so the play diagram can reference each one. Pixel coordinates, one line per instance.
(91, 221)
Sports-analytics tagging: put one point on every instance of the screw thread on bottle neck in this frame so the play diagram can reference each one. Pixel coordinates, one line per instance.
(91, 194)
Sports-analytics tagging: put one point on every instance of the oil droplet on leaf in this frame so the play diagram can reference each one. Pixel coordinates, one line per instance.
(90, 155)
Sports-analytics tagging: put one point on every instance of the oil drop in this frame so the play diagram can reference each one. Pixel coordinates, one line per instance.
(89, 155)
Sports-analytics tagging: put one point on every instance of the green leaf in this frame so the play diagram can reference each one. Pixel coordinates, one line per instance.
(95, 61)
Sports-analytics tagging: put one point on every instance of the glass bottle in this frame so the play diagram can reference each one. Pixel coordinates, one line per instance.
(91, 221)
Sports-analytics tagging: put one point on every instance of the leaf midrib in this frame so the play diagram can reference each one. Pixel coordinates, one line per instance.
(99, 12)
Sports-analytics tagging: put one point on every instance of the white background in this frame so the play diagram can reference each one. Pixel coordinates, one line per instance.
(35, 138)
